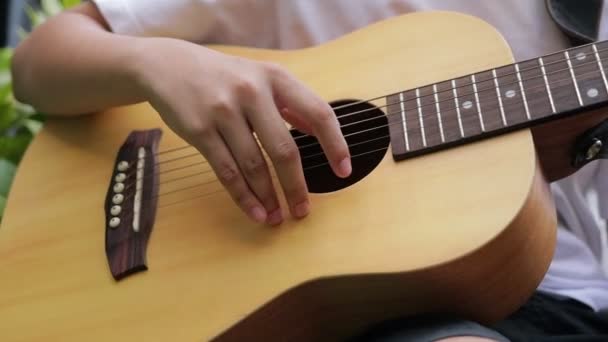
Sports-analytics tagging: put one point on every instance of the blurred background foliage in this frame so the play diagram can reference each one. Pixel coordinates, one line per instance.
(19, 122)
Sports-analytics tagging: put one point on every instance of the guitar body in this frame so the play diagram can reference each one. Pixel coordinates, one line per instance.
(468, 230)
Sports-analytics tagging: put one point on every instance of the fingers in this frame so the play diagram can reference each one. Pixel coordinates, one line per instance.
(247, 98)
(251, 162)
(227, 170)
(283, 151)
(304, 109)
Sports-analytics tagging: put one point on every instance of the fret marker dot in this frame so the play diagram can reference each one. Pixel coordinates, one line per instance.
(510, 93)
(581, 56)
(467, 105)
(592, 92)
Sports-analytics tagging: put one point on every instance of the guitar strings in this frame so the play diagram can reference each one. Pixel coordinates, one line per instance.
(267, 159)
(306, 168)
(457, 87)
(449, 100)
(352, 134)
(304, 158)
(129, 185)
(599, 60)
(225, 191)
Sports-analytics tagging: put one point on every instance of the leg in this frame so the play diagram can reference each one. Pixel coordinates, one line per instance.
(431, 328)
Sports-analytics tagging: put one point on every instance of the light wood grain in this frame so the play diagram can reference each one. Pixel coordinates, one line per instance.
(210, 267)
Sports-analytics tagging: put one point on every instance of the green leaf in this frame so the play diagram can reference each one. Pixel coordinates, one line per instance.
(5, 58)
(5, 77)
(6, 93)
(7, 173)
(21, 33)
(5, 66)
(2, 206)
(70, 3)
(8, 116)
(38, 117)
(36, 17)
(33, 126)
(23, 110)
(51, 7)
(13, 147)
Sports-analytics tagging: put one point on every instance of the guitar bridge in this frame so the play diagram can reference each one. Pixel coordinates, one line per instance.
(130, 205)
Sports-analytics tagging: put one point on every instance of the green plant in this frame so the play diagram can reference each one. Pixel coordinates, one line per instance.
(19, 122)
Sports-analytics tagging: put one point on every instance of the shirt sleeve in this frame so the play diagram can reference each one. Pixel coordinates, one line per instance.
(251, 23)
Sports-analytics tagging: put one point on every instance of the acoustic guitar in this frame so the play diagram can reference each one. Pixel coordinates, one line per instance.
(116, 230)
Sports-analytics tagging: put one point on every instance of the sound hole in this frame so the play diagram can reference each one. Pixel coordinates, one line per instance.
(365, 128)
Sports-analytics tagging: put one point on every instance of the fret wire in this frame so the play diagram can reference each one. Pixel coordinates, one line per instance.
(450, 109)
(578, 93)
(436, 96)
(483, 127)
(523, 92)
(450, 99)
(502, 108)
(600, 65)
(542, 68)
(457, 107)
(420, 117)
(404, 122)
(462, 86)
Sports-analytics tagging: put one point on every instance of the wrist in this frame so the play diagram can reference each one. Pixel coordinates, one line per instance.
(136, 69)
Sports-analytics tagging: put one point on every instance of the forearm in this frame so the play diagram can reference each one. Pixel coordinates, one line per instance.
(73, 65)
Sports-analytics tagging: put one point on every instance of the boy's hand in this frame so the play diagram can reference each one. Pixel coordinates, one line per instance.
(215, 102)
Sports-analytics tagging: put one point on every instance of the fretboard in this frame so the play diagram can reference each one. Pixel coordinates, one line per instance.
(498, 100)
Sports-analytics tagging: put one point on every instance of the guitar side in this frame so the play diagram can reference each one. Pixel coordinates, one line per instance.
(469, 230)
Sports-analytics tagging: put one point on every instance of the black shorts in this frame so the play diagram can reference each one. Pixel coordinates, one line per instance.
(543, 318)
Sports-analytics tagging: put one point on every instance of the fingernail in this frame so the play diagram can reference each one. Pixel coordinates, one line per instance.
(345, 167)
(302, 209)
(258, 214)
(276, 217)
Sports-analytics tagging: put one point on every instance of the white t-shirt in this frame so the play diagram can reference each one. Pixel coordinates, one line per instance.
(579, 268)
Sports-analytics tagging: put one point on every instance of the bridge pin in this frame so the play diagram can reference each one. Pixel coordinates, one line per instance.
(115, 210)
(118, 198)
(114, 222)
(122, 166)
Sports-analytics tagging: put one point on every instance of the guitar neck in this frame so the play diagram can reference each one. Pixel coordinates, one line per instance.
(496, 101)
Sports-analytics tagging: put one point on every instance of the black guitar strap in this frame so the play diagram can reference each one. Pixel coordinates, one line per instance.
(579, 20)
